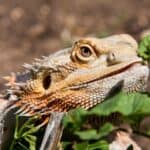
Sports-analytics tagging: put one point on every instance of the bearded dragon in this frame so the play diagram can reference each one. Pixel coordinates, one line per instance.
(81, 76)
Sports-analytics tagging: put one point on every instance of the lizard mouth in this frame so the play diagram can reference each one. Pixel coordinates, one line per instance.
(107, 72)
(120, 68)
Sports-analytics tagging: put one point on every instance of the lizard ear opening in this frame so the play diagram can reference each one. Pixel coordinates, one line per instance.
(47, 82)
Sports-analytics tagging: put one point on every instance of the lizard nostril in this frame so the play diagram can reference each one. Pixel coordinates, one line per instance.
(111, 59)
(47, 82)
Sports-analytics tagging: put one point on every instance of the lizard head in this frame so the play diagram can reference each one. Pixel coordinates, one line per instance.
(80, 76)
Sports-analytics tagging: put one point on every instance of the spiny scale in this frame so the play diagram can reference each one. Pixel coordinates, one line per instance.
(21, 109)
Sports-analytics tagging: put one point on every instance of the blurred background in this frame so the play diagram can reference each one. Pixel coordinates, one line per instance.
(30, 29)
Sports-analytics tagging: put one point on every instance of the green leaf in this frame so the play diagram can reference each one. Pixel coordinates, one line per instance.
(144, 48)
(32, 141)
(100, 145)
(31, 131)
(24, 137)
(106, 129)
(81, 146)
(93, 134)
(88, 134)
(74, 119)
(126, 104)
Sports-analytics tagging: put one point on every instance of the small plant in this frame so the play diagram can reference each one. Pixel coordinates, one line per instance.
(144, 48)
(25, 135)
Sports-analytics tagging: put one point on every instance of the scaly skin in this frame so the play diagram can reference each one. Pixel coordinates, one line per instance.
(80, 76)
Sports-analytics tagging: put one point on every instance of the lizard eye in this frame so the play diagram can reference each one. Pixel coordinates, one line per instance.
(83, 52)
(46, 82)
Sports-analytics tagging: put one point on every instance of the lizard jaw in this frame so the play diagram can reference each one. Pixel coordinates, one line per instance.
(106, 72)
(87, 76)
(120, 68)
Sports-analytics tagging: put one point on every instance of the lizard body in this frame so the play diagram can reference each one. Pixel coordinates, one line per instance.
(81, 76)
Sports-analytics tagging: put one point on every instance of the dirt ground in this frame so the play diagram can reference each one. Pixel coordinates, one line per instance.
(29, 29)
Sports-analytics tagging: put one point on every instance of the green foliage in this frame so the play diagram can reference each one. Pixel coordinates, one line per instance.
(93, 134)
(99, 145)
(132, 107)
(133, 104)
(25, 135)
(144, 48)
